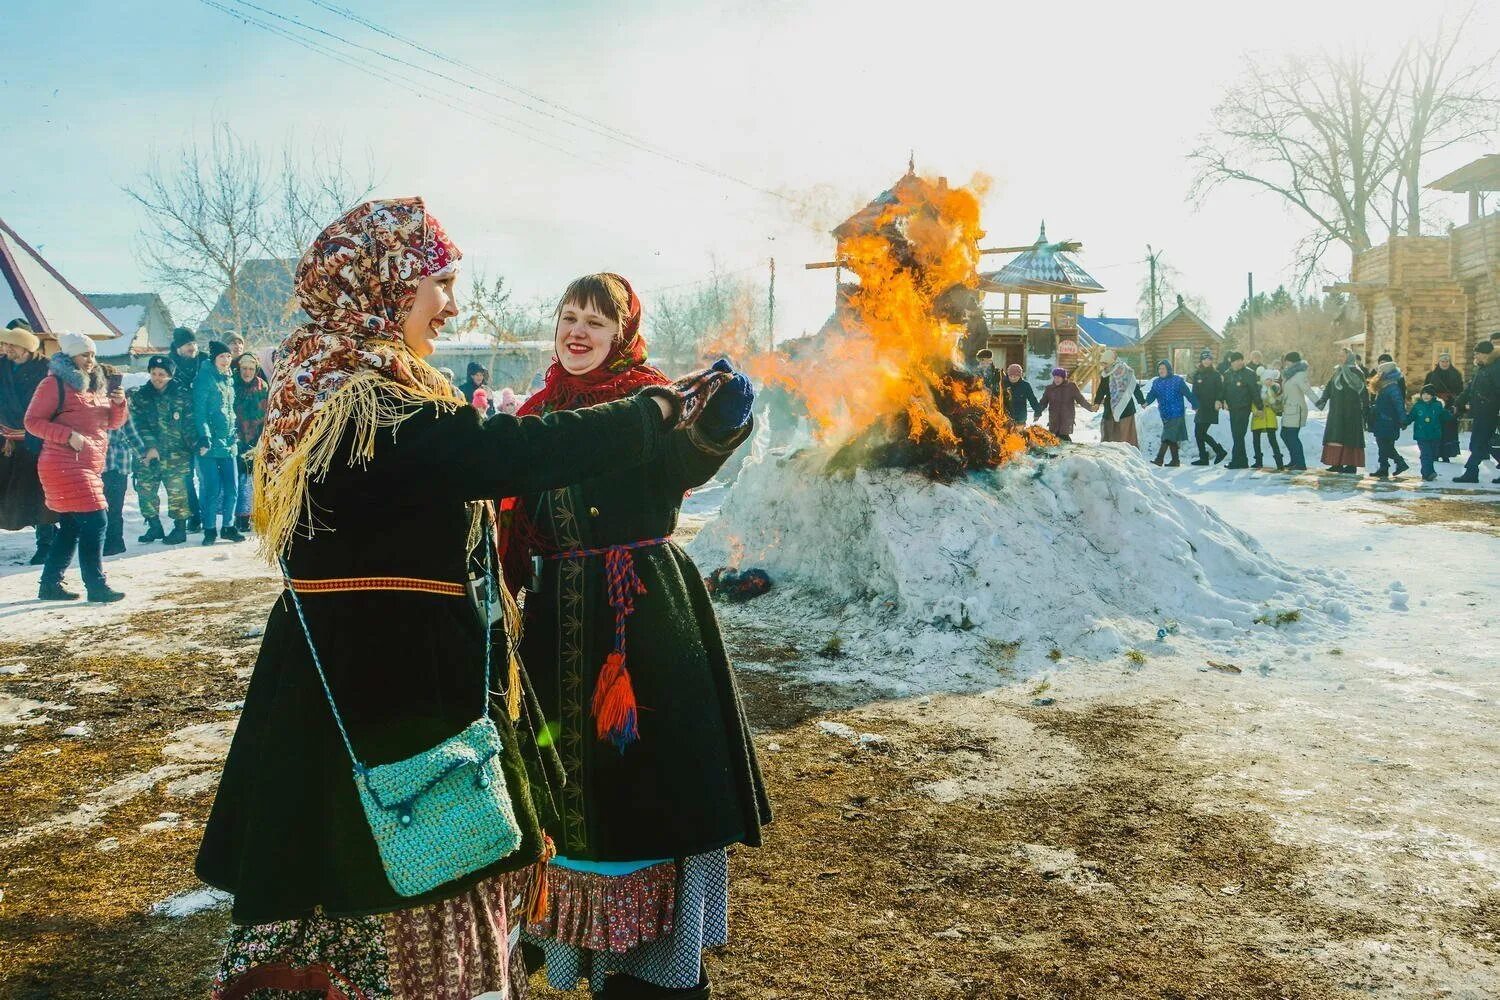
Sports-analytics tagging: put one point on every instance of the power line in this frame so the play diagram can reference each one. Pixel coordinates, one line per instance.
(613, 135)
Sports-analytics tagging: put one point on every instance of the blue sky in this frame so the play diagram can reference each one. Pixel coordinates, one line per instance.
(1081, 113)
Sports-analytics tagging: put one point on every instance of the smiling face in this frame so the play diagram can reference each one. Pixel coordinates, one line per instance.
(159, 378)
(85, 362)
(434, 305)
(246, 366)
(584, 336)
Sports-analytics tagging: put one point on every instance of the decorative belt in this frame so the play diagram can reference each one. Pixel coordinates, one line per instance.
(614, 705)
(353, 583)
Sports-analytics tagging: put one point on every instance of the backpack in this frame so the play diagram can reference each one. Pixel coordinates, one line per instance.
(32, 442)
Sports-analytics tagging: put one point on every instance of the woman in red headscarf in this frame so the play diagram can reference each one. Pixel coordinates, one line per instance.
(623, 648)
(371, 480)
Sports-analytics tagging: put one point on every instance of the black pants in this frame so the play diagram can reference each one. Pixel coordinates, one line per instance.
(114, 495)
(1386, 452)
(84, 532)
(1239, 425)
(1275, 445)
(1481, 438)
(1201, 437)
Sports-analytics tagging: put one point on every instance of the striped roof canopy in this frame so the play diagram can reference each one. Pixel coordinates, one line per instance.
(1043, 269)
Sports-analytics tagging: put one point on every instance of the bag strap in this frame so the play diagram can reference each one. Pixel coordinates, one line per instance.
(359, 766)
(62, 398)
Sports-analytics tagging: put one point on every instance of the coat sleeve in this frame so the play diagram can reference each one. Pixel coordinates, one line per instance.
(691, 457)
(146, 431)
(1188, 393)
(118, 414)
(461, 455)
(1036, 404)
(201, 405)
(1078, 396)
(45, 402)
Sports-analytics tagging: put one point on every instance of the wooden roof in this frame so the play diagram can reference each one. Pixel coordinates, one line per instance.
(1182, 312)
(1481, 175)
(1043, 269)
(865, 219)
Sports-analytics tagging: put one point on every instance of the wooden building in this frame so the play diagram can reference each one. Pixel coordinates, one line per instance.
(1413, 308)
(1179, 338)
(1474, 249)
(1024, 328)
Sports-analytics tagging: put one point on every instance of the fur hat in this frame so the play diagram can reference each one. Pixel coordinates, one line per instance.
(216, 348)
(163, 362)
(1060, 371)
(22, 338)
(984, 355)
(74, 344)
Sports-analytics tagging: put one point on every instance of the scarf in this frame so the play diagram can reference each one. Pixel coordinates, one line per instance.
(1121, 387)
(348, 370)
(1347, 376)
(623, 371)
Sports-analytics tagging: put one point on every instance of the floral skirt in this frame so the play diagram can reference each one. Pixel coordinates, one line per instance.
(458, 949)
(653, 924)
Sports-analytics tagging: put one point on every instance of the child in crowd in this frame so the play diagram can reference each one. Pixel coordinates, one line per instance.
(1428, 418)
(1387, 417)
(1061, 400)
(1263, 417)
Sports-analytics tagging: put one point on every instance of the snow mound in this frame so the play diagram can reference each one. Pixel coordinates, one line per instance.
(1083, 549)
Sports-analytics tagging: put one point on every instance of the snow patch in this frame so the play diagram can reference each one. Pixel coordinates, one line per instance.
(185, 904)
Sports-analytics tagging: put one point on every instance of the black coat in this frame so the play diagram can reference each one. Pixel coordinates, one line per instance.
(1446, 383)
(690, 783)
(1103, 398)
(18, 384)
(1482, 396)
(1208, 389)
(287, 833)
(1019, 397)
(1348, 405)
(1241, 389)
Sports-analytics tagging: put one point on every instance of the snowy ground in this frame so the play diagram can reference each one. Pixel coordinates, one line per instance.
(1302, 812)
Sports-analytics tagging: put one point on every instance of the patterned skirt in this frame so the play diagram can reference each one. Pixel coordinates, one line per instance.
(457, 949)
(653, 924)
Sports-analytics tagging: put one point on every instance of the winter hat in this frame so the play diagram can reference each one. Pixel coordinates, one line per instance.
(984, 355)
(481, 400)
(1428, 390)
(1165, 364)
(163, 362)
(509, 401)
(1235, 356)
(18, 337)
(215, 348)
(1445, 356)
(18, 324)
(1291, 357)
(182, 335)
(1205, 355)
(1270, 375)
(1484, 347)
(74, 344)
(447, 373)
(1013, 370)
(1388, 366)
(475, 368)
(1060, 371)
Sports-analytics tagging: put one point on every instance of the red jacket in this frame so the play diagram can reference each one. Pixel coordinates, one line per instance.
(71, 479)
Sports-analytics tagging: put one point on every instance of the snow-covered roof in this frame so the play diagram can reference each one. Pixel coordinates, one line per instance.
(1111, 331)
(32, 289)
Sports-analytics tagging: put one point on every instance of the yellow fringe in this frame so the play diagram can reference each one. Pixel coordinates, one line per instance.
(282, 508)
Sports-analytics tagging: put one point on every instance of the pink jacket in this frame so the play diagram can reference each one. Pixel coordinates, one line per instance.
(71, 480)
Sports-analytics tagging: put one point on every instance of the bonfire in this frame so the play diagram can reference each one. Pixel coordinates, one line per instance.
(885, 388)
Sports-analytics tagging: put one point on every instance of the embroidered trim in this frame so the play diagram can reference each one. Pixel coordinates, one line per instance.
(572, 708)
(353, 583)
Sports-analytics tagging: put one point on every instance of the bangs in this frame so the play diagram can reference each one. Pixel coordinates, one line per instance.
(603, 293)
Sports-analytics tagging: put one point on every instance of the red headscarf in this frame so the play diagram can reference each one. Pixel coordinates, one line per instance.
(623, 371)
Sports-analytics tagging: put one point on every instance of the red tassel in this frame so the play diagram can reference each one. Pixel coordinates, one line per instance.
(614, 703)
(536, 897)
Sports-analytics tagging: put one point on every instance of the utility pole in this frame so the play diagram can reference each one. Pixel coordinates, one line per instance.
(1250, 310)
(771, 311)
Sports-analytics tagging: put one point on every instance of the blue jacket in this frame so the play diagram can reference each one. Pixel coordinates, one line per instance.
(1388, 412)
(213, 412)
(1427, 420)
(1168, 393)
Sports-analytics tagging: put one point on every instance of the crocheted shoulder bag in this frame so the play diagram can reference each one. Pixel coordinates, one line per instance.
(445, 812)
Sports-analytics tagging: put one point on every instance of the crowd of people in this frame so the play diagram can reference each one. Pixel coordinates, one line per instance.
(1266, 408)
(377, 838)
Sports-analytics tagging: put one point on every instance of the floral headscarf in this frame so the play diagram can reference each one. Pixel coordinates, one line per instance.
(357, 282)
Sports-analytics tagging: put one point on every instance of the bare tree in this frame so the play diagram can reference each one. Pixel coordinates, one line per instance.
(1167, 289)
(718, 316)
(311, 191)
(203, 221)
(1442, 103)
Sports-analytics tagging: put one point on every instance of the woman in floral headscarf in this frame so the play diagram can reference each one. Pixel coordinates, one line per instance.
(369, 475)
(622, 643)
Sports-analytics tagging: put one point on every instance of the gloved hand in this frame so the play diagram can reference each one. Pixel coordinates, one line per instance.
(729, 408)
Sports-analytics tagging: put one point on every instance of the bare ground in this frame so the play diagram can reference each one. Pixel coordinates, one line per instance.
(981, 848)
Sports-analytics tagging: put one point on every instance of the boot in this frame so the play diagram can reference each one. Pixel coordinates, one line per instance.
(1381, 473)
(210, 536)
(195, 525)
(242, 524)
(1160, 454)
(1401, 466)
(153, 531)
(44, 535)
(55, 592)
(1176, 456)
(1202, 459)
(179, 534)
(114, 546)
(103, 595)
(231, 534)
(1219, 453)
